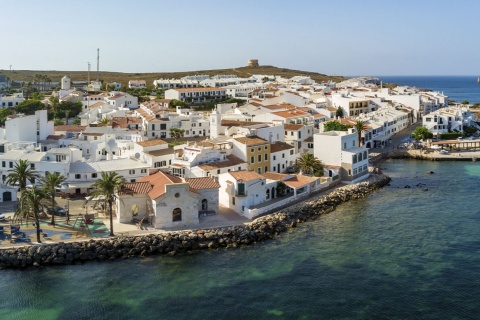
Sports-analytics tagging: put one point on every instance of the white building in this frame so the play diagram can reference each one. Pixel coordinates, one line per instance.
(137, 84)
(340, 148)
(196, 95)
(11, 100)
(32, 128)
(451, 119)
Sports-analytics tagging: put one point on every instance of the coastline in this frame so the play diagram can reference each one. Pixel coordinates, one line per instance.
(188, 241)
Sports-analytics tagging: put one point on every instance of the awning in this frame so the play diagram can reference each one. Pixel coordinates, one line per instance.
(76, 185)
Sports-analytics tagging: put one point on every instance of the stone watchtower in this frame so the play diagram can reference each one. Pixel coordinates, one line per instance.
(252, 63)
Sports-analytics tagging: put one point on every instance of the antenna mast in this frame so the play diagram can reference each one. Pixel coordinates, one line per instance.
(98, 64)
(88, 72)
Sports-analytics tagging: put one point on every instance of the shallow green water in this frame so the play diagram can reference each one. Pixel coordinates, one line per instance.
(401, 253)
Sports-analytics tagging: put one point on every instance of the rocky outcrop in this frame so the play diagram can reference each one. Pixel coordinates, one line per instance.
(172, 243)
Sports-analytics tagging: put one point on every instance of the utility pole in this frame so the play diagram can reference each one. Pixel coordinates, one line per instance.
(88, 73)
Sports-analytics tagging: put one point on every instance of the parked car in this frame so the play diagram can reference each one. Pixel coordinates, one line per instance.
(291, 170)
(444, 151)
(58, 211)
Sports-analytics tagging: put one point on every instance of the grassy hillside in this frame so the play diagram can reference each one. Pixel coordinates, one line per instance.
(28, 75)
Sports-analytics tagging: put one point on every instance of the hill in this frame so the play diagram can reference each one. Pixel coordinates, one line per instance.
(123, 78)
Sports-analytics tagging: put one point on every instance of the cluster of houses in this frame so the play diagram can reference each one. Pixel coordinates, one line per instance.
(241, 157)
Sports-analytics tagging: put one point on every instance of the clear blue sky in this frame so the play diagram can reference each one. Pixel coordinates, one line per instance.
(350, 37)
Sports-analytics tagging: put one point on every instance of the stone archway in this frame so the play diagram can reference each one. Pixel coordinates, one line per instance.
(177, 214)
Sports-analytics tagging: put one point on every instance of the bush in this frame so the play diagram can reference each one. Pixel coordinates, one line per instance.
(450, 135)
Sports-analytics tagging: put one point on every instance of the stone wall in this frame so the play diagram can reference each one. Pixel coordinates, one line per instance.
(171, 243)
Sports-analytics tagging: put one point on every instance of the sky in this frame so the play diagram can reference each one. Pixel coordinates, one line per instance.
(349, 37)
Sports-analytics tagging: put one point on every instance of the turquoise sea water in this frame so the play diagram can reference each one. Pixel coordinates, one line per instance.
(401, 253)
(457, 88)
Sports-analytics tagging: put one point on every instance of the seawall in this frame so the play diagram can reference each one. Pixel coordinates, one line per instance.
(172, 243)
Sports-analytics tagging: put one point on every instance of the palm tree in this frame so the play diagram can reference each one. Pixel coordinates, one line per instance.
(32, 201)
(107, 186)
(309, 164)
(50, 182)
(21, 172)
(359, 126)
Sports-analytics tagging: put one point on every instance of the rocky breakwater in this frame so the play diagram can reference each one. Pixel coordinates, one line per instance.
(190, 241)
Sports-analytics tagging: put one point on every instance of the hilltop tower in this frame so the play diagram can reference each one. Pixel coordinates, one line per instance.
(252, 63)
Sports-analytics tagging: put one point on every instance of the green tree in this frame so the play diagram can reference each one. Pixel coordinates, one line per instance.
(335, 125)
(37, 96)
(32, 201)
(58, 122)
(76, 122)
(174, 103)
(29, 107)
(50, 182)
(108, 186)
(73, 109)
(465, 102)
(359, 126)
(309, 164)
(176, 133)
(103, 122)
(339, 112)
(20, 173)
(4, 113)
(422, 133)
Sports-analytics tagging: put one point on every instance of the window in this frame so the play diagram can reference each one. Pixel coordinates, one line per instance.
(252, 159)
(259, 158)
(3, 164)
(131, 171)
(259, 170)
(153, 126)
(291, 152)
(274, 158)
(354, 158)
(259, 148)
(204, 204)
(94, 175)
(177, 214)
(283, 155)
(252, 150)
(10, 164)
(77, 176)
(241, 189)
(266, 156)
(266, 169)
(132, 180)
(299, 134)
(143, 171)
(266, 148)
(233, 200)
(344, 145)
(218, 171)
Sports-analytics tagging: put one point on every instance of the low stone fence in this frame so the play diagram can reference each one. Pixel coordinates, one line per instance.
(171, 243)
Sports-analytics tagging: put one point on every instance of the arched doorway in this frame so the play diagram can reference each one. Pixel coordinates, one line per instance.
(177, 214)
(204, 205)
(268, 194)
(273, 192)
(7, 196)
(368, 146)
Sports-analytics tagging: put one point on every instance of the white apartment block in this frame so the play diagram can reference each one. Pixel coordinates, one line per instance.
(196, 95)
(137, 84)
(32, 128)
(450, 119)
(175, 83)
(8, 101)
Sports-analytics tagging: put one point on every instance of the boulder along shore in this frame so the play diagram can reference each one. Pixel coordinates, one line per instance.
(188, 241)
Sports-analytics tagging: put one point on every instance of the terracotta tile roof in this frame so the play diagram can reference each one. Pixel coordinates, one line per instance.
(331, 109)
(299, 181)
(119, 122)
(150, 143)
(279, 106)
(234, 123)
(250, 141)
(158, 182)
(275, 176)
(202, 183)
(291, 126)
(199, 89)
(332, 166)
(97, 104)
(318, 115)
(291, 114)
(55, 136)
(231, 161)
(135, 188)
(280, 146)
(309, 139)
(256, 104)
(245, 175)
(70, 128)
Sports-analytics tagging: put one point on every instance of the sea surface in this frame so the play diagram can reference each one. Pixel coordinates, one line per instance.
(457, 88)
(400, 253)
